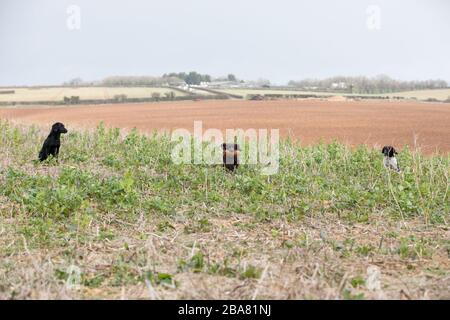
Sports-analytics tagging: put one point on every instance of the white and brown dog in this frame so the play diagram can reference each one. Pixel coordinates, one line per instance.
(390, 161)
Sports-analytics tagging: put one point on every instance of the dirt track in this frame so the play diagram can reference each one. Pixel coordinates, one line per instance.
(373, 123)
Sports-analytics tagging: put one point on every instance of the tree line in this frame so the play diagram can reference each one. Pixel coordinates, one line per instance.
(140, 81)
(196, 78)
(191, 78)
(361, 84)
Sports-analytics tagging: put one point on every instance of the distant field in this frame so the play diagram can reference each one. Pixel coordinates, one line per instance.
(244, 92)
(55, 94)
(201, 92)
(58, 93)
(440, 94)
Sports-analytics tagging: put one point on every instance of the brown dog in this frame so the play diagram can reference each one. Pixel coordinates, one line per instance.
(231, 156)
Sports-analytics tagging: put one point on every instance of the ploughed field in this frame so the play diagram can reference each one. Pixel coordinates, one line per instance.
(374, 123)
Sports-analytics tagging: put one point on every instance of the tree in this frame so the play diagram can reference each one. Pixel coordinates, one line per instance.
(231, 77)
(170, 95)
(192, 77)
(263, 82)
(156, 96)
(75, 82)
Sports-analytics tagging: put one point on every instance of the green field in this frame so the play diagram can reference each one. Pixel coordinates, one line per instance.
(439, 94)
(58, 93)
(115, 218)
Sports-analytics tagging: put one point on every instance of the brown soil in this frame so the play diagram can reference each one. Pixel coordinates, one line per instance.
(375, 123)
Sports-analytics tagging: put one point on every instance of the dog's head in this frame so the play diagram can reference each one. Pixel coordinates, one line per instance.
(230, 147)
(231, 155)
(58, 127)
(389, 151)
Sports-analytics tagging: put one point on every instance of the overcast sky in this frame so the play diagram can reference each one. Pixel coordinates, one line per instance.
(41, 41)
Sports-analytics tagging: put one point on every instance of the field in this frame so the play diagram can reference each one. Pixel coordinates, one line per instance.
(115, 218)
(245, 91)
(58, 93)
(439, 94)
(85, 93)
(374, 123)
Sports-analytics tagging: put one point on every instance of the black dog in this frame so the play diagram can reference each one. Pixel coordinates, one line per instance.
(390, 161)
(52, 143)
(231, 156)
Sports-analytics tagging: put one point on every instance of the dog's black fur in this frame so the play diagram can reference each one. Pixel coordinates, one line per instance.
(390, 160)
(53, 142)
(389, 151)
(230, 156)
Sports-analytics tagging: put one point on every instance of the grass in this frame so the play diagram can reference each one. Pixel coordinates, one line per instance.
(56, 94)
(115, 218)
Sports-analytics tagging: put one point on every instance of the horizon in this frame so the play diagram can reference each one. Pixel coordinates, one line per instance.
(99, 82)
(252, 40)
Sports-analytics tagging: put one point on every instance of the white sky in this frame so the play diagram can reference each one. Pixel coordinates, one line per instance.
(280, 40)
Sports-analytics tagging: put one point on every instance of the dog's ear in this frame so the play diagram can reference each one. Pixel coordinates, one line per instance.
(385, 150)
(392, 152)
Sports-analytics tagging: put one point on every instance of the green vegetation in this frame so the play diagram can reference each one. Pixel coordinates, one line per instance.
(133, 81)
(135, 224)
(192, 77)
